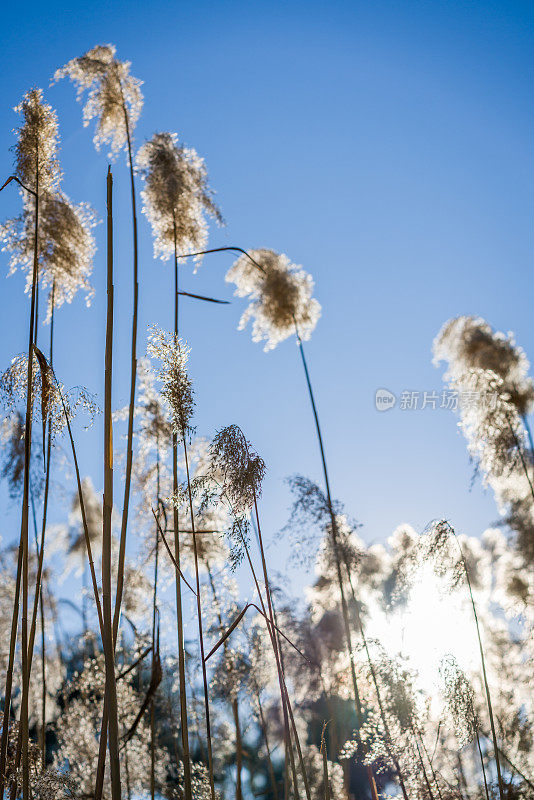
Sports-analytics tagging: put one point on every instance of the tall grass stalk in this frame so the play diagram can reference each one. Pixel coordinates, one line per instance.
(24, 532)
(335, 544)
(263, 726)
(179, 616)
(109, 649)
(38, 594)
(154, 624)
(326, 780)
(22, 562)
(272, 628)
(234, 702)
(133, 376)
(199, 616)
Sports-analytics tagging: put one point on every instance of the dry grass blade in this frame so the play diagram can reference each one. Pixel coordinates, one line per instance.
(207, 299)
(46, 387)
(22, 186)
(238, 619)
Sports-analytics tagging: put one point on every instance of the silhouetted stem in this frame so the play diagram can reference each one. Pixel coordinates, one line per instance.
(131, 407)
(326, 780)
(521, 454)
(268, 749)
(109, 649)
(234, 702)
(199, 615)
(270, 628)
(179, 618)
(479, 748)
(38, 595)
(284, 695)
(335, 545)
(154, 617)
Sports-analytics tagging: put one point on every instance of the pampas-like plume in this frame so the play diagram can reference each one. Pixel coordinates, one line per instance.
(241, 468)
(176, 196)
(65, 245)
(176, 387)
(280, 297)
(488, 371)
(468, 343)
(36, 164)
(460, 699)
(114, 97)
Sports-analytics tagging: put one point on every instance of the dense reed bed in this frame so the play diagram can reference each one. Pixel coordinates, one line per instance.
(180, 683)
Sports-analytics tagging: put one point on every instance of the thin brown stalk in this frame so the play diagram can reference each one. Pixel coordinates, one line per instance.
(234, 702)
(238, 750)
(481, 755)
(38, 593)
(154, 620)
(520, 450)
(269, 618)
(129, 449)
(326, 780)
(109, 650)
(200, 628)
(263, 726)
(9, 672)
(133, 376)
(334, 534)
(188, 795)
(27, 458)
(22, 564)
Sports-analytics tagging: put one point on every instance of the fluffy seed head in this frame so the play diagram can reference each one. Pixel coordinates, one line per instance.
(241, 468)
(280, 297)
(114, 97)
(176, 196)
(36, 148)
(66, 247)
(467, 343)
(176, 388)
(460, 699)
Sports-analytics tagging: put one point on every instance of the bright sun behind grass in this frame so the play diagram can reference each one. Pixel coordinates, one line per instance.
(433, 623)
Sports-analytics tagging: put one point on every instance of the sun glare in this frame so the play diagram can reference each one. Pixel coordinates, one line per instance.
(432, 624)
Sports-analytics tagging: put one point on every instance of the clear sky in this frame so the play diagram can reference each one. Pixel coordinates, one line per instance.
(388, 147)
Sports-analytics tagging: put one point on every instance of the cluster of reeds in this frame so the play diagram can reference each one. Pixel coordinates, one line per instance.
(323, 699)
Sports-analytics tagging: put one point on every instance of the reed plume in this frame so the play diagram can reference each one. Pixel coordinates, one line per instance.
(115, 101)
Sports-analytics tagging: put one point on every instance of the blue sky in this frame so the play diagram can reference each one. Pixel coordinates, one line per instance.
(387, 147)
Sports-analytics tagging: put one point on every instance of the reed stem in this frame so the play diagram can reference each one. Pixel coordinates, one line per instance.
(179, 617)
(200, 628)
(234, 702)
(109, 649)
(133, 377)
